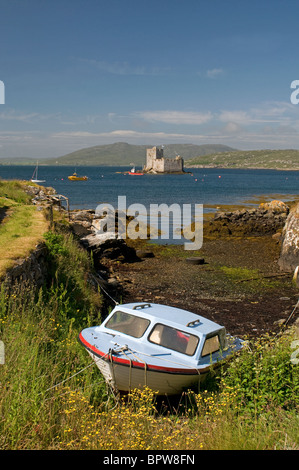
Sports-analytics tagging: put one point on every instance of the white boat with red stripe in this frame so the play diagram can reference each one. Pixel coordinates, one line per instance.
(164, 348)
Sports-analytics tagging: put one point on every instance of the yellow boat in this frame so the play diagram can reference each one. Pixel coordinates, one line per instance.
(75, 177)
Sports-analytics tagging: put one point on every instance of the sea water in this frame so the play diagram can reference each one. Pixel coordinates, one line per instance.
(210, 187)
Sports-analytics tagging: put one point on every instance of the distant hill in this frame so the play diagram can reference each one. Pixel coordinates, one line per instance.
(17, 161)
(202, 156)
(258, 159)
(123, 154)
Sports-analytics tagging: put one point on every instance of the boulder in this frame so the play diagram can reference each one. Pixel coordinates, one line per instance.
(107, 245)
(275, 206)
(85, 215)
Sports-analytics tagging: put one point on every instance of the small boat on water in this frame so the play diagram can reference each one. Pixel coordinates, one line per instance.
(135, 173)
(75, 177)
(164, 348)
(34, 177)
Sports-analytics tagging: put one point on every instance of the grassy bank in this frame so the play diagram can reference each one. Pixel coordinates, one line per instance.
(53, 397)
(22, 226)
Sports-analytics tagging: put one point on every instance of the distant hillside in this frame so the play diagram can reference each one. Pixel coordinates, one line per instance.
(259, 159)
(202, 156)
(124, 154)
(17, 161)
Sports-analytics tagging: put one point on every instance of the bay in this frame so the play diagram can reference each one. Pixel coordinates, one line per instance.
(211, 186)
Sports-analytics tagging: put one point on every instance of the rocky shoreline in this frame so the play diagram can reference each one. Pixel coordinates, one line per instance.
(244, 279)
(255, 297)
(267, 218)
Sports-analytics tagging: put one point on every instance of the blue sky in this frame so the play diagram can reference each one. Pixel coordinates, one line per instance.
(83, 73)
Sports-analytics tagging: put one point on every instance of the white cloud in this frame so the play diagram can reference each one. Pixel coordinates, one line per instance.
(176, 117)
(214, 73)
(268, 125)
(13, 115)
(234, 116)
(233, 128)
(269, 112)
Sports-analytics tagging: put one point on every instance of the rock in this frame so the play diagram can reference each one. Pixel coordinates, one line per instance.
(81, 229)
(94, 241)
(108, 246)
(277, 236)
(83, 215)
(268, 218)
(289, 255)
(275, 206)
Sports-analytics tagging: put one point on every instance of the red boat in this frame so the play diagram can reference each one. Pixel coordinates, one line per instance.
(135, 173)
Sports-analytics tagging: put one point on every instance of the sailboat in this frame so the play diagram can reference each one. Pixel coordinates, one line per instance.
(34, 177)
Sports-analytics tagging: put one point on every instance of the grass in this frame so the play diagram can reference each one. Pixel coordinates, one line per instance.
(23, 226)
(53, 397)
(45, 405)
(13, 190)
(273, 159)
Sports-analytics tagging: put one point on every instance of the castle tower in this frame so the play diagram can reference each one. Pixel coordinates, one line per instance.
(152, 155)
(156, 163)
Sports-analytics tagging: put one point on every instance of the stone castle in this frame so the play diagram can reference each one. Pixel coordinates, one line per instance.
(156, 163)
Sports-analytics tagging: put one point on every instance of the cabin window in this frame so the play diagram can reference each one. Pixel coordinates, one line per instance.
(127, 324)
(174, 339)
(211, 345)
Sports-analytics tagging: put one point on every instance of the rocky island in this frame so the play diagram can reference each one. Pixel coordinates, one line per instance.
(156, 163)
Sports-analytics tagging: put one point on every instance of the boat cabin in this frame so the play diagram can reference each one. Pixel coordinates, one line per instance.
(173, 330)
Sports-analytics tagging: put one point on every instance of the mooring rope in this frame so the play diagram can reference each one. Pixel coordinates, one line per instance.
(69, 378)
(292, 313)
(77, 373)
(101, 287)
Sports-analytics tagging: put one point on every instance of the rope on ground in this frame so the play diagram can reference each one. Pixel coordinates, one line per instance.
(101, 287)
(69, 378)
(292, 313)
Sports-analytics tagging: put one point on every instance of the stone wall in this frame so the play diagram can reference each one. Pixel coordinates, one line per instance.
(31, 270)
(173, 165)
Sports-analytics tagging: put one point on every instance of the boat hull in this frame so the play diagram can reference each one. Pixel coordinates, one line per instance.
(123, 378)
(77, 178)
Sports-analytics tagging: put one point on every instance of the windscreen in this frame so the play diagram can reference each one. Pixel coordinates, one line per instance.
(174, 339)
(128, 324)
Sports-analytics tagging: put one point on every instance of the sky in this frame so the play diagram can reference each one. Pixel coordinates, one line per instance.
(75, 74)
